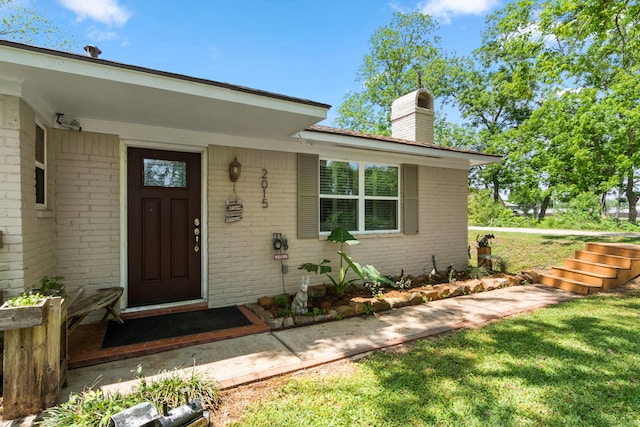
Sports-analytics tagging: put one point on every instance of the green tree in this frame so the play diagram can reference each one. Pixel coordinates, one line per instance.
(400, 54)
(26, 25)
(590, 46)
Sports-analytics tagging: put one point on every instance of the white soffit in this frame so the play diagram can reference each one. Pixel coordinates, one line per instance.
(82, 87)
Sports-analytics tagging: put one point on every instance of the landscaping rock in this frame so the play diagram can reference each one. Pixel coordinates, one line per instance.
(303, 320)
(275, 323)
(263, 314)
(265, 302)
(531, 276)
(442, 291)
(359, 305)
(396, 302)
(491, 283)
(287, 322)
(415, 298)
(430, 295)
(344, 311)
(475, 286)
(380, 305)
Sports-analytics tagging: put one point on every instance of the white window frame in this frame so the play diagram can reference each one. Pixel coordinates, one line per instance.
(362, 198)
(41, 165)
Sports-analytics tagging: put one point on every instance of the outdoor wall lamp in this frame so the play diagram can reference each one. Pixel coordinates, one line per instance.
(234, 169)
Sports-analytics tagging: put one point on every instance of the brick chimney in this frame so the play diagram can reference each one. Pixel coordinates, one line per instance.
(412, 117)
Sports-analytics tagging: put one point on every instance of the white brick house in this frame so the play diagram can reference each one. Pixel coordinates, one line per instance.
(132, 183)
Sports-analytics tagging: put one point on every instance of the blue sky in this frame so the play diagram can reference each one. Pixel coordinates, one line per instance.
(301, 48)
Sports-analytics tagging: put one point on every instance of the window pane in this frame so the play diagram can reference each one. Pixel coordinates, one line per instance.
(381, 180)
(39, 144)
(338, 178)
(165, 173)
(381, 215)
(40, 185)
(335, 212)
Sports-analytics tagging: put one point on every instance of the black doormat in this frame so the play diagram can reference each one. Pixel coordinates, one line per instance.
(172, 325)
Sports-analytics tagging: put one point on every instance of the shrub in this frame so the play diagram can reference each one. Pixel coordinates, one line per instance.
(96, 407)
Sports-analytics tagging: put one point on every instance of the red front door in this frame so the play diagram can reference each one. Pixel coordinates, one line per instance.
(164, 226)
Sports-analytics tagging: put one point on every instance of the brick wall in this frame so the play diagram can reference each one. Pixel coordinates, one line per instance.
(11, 254)
(87, 206)
(241, 264)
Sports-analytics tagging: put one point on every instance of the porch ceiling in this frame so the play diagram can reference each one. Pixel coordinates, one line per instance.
(96, 89)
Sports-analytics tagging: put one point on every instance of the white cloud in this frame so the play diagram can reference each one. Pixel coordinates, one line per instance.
(444, 10)
(104, 11)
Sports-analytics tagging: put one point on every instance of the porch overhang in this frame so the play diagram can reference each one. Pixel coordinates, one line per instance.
(100, 90)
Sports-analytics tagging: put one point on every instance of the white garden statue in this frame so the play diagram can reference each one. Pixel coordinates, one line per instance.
(299, 303)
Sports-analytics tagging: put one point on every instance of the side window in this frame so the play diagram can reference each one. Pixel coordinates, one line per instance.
(41, 166)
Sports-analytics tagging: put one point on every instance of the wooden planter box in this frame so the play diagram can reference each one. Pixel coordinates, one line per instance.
(32, 357)
(21, 317)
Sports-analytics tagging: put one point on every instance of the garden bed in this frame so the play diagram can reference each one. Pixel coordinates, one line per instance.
(325, 305)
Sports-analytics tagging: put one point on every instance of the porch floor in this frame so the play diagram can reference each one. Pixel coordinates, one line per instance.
(85, 342)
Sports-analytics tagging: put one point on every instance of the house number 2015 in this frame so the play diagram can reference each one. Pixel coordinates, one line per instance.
(265, 184)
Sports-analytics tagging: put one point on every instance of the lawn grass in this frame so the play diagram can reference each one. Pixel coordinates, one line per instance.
(537, 251)
(572, 364)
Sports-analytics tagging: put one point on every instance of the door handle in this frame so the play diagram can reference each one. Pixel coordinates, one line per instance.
(196, 233)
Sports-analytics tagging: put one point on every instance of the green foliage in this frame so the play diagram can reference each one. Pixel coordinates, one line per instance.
(22, 24)
(52, 285)
(25, 300)
(375, 288)
(281, 301)
(477, 272)
(96, 407)
(484, 211)
(398, 53)
(342, 236)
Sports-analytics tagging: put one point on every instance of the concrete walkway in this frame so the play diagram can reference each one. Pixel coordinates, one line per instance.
(251, 358)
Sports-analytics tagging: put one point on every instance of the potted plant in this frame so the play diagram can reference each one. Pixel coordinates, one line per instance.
(51, 286)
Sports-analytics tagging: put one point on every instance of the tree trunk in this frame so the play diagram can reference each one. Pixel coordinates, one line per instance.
(543, 207)
(632, 198)
(496, 188)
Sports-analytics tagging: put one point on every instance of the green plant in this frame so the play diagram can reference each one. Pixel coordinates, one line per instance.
(375, 288)
(475, 272)
(281, 301)
(342, 236)
(25, 300)
(96, 407)
(403, 283)
(315, 311)
(503, 265)
(51, 285)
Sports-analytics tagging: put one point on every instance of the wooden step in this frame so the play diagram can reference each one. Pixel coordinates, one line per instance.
(600, 258)
(593, 267)
(601, 266)
(618, 249)
(582, 276)
(568, 284)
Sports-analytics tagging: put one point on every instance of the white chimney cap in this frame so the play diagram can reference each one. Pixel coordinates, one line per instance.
(92, 51)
